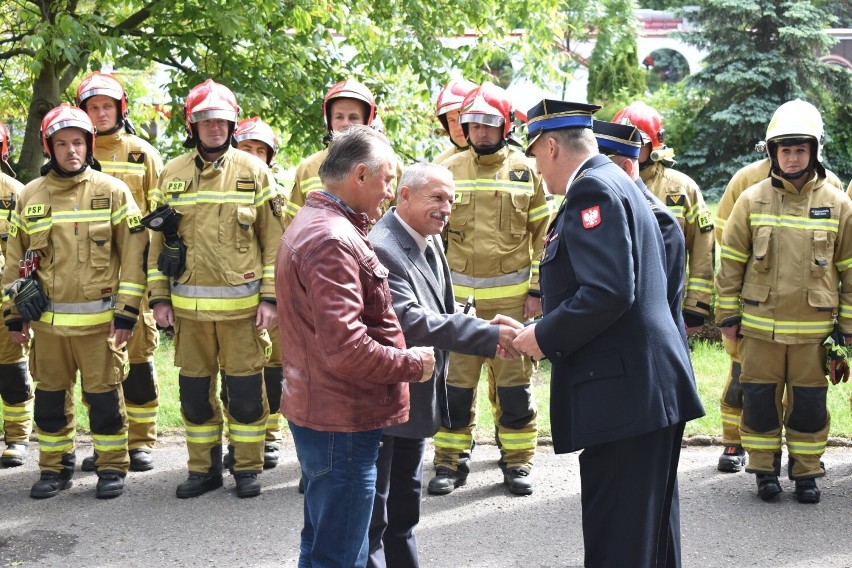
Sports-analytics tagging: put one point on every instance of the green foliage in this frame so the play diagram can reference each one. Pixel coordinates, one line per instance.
(613, 66)
(278, 57)
(761, 53)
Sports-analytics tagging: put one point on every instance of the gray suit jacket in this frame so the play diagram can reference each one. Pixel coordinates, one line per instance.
(427, 316)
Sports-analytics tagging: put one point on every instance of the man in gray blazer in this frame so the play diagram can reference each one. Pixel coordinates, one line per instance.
(422, 295)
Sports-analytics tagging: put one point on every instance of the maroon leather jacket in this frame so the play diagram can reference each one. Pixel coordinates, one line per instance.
(344, 361)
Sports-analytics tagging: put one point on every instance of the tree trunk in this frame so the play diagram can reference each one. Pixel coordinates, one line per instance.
(45, 97)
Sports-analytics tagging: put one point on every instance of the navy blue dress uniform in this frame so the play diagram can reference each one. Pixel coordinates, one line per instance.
(626, 140)
(622, 385)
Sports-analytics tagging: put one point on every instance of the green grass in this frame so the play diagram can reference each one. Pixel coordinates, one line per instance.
(708, 358)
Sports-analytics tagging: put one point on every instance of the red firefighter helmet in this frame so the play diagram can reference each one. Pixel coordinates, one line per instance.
(451, 98)
(647, 120)
(67, 116)
(102, 84)
(255, 129)
(210, 100)
(487, 104)
(5, 144)
(349, 89)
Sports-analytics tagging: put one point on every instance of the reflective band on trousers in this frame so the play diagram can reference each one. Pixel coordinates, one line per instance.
(805, 448)
(753, 442)
(245, 433)
(518, 440)
(273, 421)
(203, 434)
(519, 277)
(109, 442)
(732, 419)
(48, 443)
(142, 414)
(16, 413)
(459, 442)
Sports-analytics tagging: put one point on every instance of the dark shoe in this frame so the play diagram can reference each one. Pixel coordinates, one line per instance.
(110, 485)
(228, 460)
(518, 481)
(445, 481)
(198, 484)
(247, 484)
(807, 491)
(768, 486)
(49, 485)
(89, 463)
(733, 459)
(270, 456)
(14, 454)
(140, 460)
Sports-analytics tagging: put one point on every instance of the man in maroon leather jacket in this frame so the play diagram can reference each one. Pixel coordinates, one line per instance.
(346, 366)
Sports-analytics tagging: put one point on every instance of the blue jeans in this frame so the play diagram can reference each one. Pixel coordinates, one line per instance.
(339, 472)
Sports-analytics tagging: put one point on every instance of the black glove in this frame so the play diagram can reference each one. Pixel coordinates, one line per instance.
(836, 354)
(172, 261)
(163, 219)
(30, 300)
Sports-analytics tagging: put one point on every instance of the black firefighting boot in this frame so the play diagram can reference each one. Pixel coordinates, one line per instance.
(88, 463)
(110, 484)
(270, 455)
(140, 460)
(518, 481)
(733, 459)
(15, 454)
(768, 486)
(198, 484)
(807, 491)
(51, 483)
(247, 484)
(446, 480)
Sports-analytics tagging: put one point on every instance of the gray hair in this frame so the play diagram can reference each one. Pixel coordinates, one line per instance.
(417, 176)
(575, 140)
(358, 144)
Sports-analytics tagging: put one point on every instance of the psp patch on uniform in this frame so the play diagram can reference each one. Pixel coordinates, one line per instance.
(35, 210)
(519, 175)
(245, 185)
(100, 203)
(674, 200)
(134, 223)
(136, 157)
(591, 217)
(705, 223)
(820, 213)
(176, 185)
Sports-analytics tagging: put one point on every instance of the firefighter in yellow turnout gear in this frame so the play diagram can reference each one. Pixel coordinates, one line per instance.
(16, 389)
(495, 237)
(254, 136)
(784, 284)
(346, 103)
(127, 157)
(447, 108)
(683, 198)
(211, 275)
(79, 235)
(733, 458)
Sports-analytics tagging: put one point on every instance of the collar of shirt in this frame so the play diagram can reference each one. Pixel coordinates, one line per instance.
(336, 200)
(574, 174)
(422, 242)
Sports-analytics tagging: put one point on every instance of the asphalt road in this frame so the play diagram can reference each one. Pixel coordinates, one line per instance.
(480, 525)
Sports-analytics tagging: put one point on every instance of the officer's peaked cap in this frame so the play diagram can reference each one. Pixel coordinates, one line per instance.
(554, 115)
(621, 139)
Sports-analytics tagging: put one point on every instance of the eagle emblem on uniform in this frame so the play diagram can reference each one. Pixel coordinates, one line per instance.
(591, 217)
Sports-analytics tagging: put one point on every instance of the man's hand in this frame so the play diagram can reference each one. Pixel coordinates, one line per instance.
(730, 331)
(21, 337)
(427, 357)
(508, 330)
(119, 336)
(267, 316)
(164, 314)
(532, 307)
(527, 344)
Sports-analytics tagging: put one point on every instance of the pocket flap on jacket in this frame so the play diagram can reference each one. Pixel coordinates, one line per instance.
(599, 366)
(823, 299)
(755, 292)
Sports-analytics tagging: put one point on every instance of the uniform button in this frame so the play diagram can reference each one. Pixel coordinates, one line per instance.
(559, 354)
